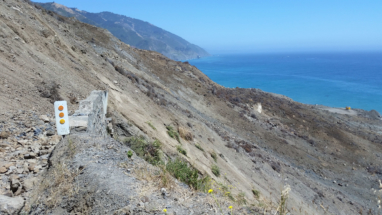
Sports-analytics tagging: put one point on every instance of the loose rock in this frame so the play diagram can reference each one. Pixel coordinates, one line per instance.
(3, 170)
(4, 134)
(44, 118)
(10, 205)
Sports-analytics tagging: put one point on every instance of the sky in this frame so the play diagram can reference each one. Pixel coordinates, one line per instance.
(253, 26)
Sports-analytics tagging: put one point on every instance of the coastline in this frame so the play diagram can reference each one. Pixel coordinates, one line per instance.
(314, 78)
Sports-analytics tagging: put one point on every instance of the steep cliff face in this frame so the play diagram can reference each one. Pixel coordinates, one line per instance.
(330, 161)
(135, 32)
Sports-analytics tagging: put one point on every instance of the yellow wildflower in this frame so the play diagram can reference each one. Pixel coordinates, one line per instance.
(210, 190)
(230, 207)
(165, 210)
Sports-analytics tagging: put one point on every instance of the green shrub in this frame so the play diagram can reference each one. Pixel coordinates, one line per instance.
(226, 190)
(215, 170)
(199, 147)
(240, 199)
(181, 150)
(214, 156)
(108, 130)
(256, 193)
(151, 125)
(172, 133)
(129, 153)
(182, 171)
(204, 184)
(148, 151)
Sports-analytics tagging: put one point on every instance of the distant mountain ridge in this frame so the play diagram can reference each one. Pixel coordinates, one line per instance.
(135, 32)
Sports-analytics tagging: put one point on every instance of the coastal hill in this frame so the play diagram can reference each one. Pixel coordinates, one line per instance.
(173, 134)
(134, 32)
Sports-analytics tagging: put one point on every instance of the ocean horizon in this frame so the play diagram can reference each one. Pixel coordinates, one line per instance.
(330, 79)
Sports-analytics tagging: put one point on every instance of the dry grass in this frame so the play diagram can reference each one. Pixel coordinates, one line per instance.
(71, 148)
(56, 185)
(158, 176)
(378, 194)
(282, 208)
(62, 185)
(185, 134)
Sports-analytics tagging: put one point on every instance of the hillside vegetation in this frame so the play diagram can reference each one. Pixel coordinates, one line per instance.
(262, 153)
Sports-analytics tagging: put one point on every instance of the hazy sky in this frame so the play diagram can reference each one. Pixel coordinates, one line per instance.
(257, 25)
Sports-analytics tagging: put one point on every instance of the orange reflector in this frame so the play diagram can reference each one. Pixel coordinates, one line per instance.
(61, 114)
(62, 121)
(61, 108)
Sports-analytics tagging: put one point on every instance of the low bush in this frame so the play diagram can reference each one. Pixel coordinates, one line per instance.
(240, 199)
(129, 153)
(181, 150)
(256, 193)
(148, 151)
(182, 171)
(215, 170)
(151, 125)
(199, 147)
(172, 133)
(226, 191)
(214, 156)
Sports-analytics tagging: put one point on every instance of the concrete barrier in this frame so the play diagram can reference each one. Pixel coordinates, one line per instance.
(91, 114)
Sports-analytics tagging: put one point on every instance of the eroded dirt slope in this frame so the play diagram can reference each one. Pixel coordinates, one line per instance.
(332, 162)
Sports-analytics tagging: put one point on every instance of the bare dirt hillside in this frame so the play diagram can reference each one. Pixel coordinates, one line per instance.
(260, 142)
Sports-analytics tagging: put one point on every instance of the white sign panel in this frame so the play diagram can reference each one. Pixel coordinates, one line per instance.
(62, 117)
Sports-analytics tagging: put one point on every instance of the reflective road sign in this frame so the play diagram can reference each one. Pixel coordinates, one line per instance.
(62, 118)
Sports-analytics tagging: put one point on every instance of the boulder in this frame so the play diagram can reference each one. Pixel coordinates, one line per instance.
(10, 205)
(374, 114)
(43, 141)
(22, 142)
(30, 183)
(44, 118)
(9, 165)
(35, 147)
(178, 68)
(54, 139)
(31, 166)
(50, 132)
(4, 134)
(16, 186)
(3, 170)
(30, 155)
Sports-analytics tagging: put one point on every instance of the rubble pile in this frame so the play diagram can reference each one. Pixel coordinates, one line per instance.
(26, 141)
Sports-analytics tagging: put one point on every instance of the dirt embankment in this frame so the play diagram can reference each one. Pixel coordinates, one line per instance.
(332, 162)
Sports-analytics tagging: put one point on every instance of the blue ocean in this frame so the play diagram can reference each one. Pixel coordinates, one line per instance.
(330, 79)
